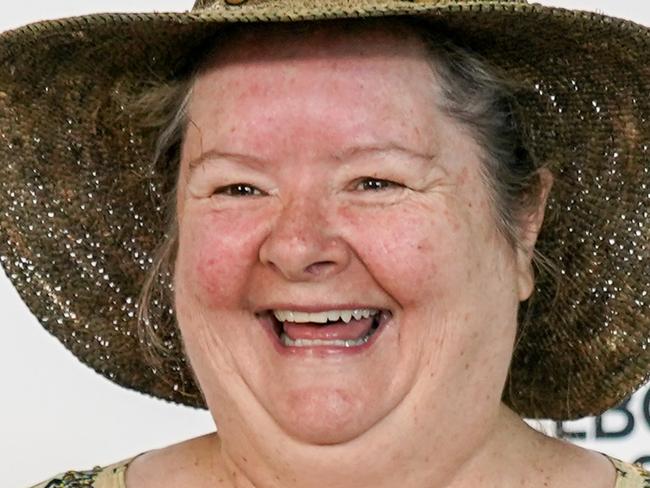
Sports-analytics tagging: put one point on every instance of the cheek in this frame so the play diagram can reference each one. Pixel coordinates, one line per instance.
(216, 252)
(411, 250)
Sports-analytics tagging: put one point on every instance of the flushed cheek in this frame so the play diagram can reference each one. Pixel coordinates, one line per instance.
(216, 253)
(413, 250)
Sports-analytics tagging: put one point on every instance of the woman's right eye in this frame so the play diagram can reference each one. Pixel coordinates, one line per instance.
(238, 190)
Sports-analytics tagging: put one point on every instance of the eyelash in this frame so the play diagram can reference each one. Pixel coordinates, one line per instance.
(246, 190)
(239, 190)
(375, 184)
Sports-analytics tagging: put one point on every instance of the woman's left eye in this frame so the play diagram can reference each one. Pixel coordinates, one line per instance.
(375, 184)
(239, 190)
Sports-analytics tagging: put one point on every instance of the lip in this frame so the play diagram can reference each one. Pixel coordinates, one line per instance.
(316, 308)
(269, 324)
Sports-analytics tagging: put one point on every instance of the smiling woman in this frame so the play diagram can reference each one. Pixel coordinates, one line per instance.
(345, 271)
(320, 207)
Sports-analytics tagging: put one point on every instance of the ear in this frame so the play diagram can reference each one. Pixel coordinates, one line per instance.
(529, 227)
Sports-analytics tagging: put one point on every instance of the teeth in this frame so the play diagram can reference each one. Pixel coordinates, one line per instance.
(322, 317)
(288, 342)
(333, 316)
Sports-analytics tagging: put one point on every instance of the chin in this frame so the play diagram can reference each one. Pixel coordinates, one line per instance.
(325, 416)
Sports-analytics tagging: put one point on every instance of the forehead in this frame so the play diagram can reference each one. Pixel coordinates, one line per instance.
(345, 77)
(320, 54)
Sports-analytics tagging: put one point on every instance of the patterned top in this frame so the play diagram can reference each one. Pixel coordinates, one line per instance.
(112, 476)
(628, 476)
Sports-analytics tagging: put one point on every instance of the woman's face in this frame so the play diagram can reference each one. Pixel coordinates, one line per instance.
(320, 177)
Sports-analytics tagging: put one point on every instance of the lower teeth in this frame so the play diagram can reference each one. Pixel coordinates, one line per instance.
(289, 342)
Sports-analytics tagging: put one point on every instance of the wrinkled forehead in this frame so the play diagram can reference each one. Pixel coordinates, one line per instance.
(342, 72)
(314, 92)
(365, 54)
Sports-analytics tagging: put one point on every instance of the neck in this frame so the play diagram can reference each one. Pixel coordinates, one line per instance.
(435, 456)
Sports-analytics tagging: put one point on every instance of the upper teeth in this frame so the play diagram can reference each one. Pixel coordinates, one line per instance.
(323, 317)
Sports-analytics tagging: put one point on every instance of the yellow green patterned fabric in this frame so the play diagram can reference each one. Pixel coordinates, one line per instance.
(630, 475)
(113, 476)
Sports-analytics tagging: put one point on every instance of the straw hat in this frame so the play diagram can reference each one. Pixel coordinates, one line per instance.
(82, 209)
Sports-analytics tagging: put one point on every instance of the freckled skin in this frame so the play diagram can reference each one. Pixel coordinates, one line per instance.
(404, 250)
(427, 249)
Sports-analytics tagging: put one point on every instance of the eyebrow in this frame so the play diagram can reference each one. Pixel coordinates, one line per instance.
(358, 151)
(348, 153)
(215, 154)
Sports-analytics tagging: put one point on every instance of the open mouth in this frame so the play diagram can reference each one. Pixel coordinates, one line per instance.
(350, 328)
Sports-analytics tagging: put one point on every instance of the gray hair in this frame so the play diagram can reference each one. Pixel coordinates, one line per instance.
(482, 102)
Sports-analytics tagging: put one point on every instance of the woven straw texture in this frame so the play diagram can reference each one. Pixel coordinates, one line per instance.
(82, 208)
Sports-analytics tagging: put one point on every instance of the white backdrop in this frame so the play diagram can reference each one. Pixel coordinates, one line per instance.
(56, 414)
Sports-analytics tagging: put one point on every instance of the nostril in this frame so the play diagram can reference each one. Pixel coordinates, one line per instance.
(319, 267)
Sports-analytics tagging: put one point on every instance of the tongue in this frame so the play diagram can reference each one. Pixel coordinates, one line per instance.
(354, 330)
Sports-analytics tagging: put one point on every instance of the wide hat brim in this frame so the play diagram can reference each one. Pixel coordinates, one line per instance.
(82, 211)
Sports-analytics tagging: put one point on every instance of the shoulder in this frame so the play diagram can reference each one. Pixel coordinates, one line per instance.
(631, 475)
(99, 477)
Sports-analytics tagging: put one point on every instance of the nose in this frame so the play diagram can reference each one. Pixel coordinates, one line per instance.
(303, 245)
